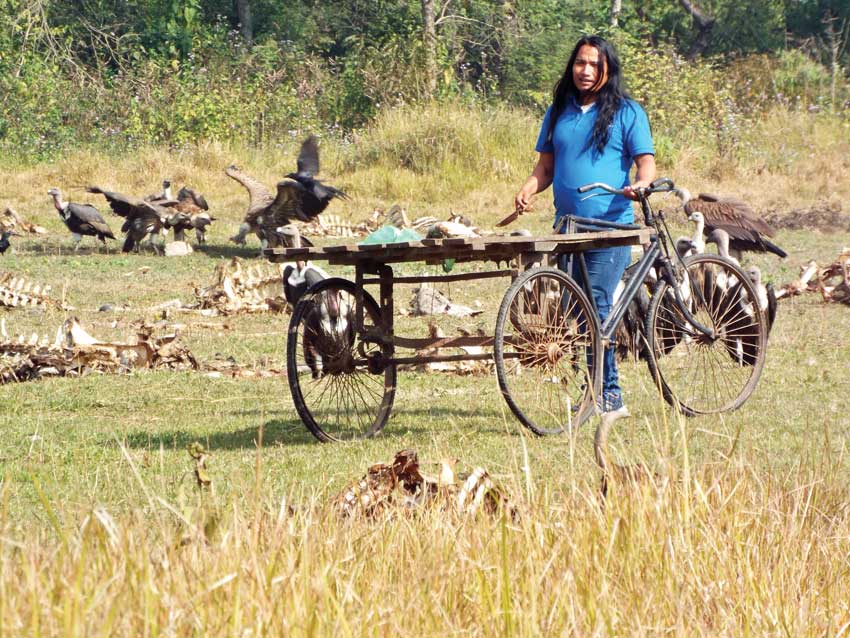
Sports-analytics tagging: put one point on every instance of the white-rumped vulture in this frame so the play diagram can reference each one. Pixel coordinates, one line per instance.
(81, 219)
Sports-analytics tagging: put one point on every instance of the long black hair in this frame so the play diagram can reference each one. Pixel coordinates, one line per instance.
(609, 96)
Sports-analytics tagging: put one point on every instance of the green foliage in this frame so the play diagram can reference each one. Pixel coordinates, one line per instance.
(123, 73)
(685, 101)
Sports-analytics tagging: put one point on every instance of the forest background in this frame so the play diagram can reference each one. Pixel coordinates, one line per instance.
(122, 74)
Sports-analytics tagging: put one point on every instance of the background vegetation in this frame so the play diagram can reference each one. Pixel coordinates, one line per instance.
(120, 74)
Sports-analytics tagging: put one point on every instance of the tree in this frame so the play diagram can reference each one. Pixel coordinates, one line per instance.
(246, 27)
(704, 23)
(429, 39)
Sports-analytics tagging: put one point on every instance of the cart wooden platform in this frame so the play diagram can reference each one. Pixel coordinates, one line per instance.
(341, 349)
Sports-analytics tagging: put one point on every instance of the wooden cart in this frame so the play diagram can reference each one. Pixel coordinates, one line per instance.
(342, 348)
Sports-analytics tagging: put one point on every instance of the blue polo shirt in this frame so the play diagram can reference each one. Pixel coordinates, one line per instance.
(578, 162)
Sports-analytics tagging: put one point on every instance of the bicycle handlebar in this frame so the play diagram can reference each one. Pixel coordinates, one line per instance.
(660, 185)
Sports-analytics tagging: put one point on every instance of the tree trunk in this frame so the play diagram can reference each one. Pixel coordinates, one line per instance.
(616, 7)
(704, 22)
(835, 41)
(246, 26)
(429, 39)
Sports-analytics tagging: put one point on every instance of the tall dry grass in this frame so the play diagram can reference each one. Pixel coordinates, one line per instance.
(725, 550)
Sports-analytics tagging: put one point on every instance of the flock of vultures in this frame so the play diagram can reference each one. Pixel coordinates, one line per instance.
(299, 197)
(732, 225)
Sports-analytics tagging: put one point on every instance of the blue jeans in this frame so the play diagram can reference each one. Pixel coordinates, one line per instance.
(605, 268)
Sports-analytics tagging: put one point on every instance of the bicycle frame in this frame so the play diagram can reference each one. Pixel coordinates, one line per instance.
(656, 255)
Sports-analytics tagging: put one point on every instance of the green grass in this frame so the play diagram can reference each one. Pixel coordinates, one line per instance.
(101, 520)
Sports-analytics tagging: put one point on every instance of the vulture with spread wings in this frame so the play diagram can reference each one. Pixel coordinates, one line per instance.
(301, 197)
(747, 231)
(142, 218)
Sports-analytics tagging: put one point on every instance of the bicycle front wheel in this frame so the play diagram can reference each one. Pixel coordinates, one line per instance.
(701, 373)
(547, 340)
(342, 387)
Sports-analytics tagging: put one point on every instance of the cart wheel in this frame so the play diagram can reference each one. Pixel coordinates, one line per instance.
(699, 374)
(341, 385)
(547, 338)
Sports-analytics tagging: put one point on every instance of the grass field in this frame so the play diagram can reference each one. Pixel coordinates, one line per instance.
(103, 530)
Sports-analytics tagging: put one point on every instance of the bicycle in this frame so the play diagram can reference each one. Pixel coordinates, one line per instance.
(706, 334)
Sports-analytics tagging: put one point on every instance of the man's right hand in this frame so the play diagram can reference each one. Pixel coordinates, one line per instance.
(522, 201)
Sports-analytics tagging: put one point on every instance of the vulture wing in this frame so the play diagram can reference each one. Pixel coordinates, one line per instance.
(87, 214)
(308, 157)
(122, 205)
(259, 195)
(190, 194)
(288, 204)
(146, 216)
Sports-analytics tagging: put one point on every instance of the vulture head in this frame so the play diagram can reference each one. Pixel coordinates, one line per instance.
(56, 194)
(697, 218)
(754, 274)
(682, 193)
(685, 246)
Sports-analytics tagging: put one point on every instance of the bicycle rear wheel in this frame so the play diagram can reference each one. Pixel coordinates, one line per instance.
(547, 340)
(341, 386)
(696, 373)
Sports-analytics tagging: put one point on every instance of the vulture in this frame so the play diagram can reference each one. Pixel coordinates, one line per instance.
(4, 240)
(766, 295)
(141, 223)
(163, 196)
(721, 239)
(746, 229)
(142, 218)
(740, 332)
(298, 278)
(81, 219)
(699, 229)
(192, 204)
(631, 337)
(300, 197)
(328, 331)
(685, 247)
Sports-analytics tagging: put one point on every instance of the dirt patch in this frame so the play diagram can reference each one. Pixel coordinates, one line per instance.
(823, 217)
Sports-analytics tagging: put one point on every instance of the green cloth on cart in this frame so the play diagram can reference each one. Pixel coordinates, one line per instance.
(390, 235)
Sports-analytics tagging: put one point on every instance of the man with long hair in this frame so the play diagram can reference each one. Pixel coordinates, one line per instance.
(593, 132)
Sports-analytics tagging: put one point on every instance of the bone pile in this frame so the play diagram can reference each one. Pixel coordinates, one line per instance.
(10, 220)
(237, 288)
(832, 282)
(460, 368)
(17, 292)
(403, 486)
(74, 352)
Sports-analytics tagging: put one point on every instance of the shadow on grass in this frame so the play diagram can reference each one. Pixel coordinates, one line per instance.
(219, 251)
(276, 431)
(293, 432)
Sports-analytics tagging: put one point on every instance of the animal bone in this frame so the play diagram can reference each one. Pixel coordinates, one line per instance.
(236, 288)
(18, 292)
(75, 352)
